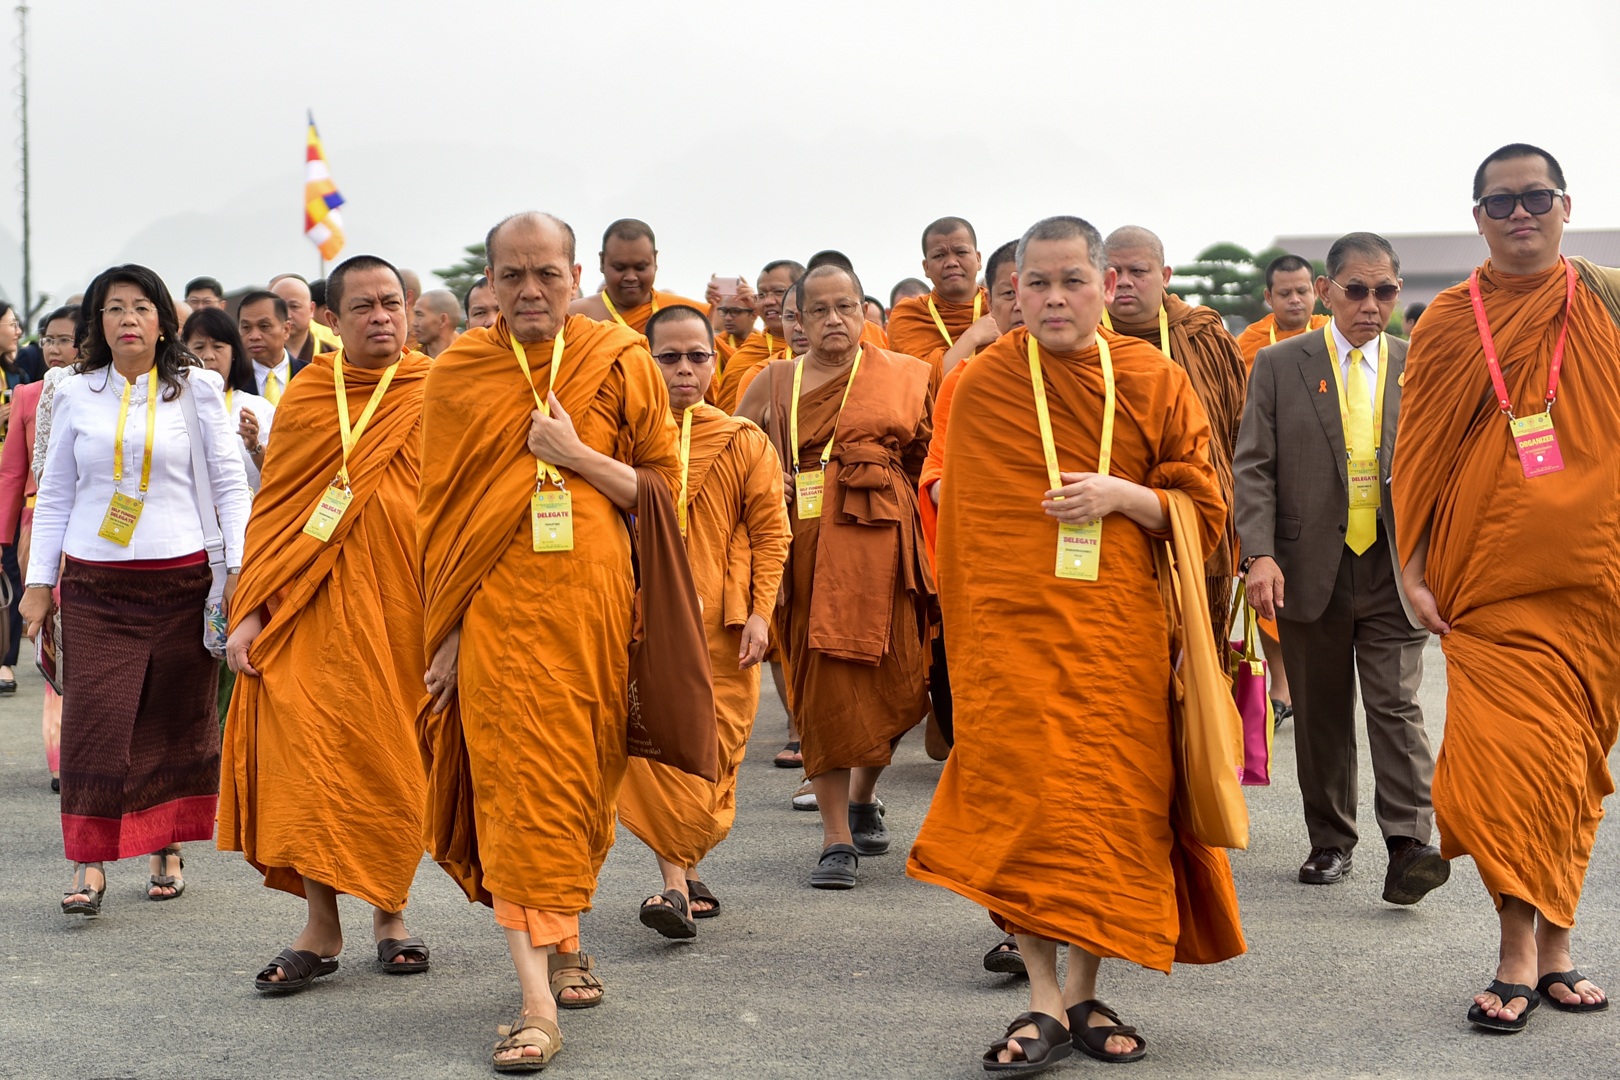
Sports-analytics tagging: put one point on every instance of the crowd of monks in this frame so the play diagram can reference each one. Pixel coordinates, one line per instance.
(472, 527)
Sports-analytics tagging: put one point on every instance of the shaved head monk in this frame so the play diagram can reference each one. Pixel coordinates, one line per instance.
(1510, 553)
(851, 424)
(733, 317)
(543, 427)
(482, 310)
(629, 263)
(875, 311)
(906, 287)
(435, 317)
(1034, 817)
(737, 538)
(331, 557)
(952, 320)
(1195, 338)
(871, 333)
(774, 282)
(1291, 295)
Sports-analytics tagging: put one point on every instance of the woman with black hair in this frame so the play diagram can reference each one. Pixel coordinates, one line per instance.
(118, 499)
(10, 379)
(212, 337)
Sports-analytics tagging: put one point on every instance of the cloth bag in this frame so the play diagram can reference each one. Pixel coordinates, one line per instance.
(671, 717)
(214, 633)
(1248, 671)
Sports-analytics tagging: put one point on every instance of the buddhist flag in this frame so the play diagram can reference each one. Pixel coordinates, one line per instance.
(322, 223)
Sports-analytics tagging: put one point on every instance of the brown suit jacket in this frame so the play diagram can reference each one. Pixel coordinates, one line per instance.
(1292, 482)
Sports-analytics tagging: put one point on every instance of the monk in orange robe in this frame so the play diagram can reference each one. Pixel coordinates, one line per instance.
(321, 783)
(753, 353)
(629, 262)
(1196, 339)
(525, 737)
(871, 333)
(952, 321)
(737, 538)
(851, 423)
(1034, 817)
(1516, 563)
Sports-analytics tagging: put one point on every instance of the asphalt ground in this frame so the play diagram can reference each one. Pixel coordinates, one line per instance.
(882, 981)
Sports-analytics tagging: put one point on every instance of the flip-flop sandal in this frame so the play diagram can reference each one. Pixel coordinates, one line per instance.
(836, 868)
(574, 971)
(1568, 978)
(390, 948)
(167, 881)
(788, 757)
(299, 968)
(516, 1038)
(1005, 959)
(669, 918)
(699, 891)
(1038, 1052)
(1093, 1041)
(1505, 992)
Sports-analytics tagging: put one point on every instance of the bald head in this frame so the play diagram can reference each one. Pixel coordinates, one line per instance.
(1135, 238)
(827, 272)
(295, 291)
(1137, 256)
(531, 266)
(433, 318)
(531, 221)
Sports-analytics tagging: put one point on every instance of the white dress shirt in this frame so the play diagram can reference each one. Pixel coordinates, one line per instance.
(77, 485)
(282, 370)
(264, 413)
(1369, 360)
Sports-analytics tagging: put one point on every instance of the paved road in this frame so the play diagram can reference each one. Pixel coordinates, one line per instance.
(881, 982)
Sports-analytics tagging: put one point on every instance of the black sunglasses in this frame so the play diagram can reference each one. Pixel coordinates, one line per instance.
(1536, 202)
(1356, 293)
(696, 359)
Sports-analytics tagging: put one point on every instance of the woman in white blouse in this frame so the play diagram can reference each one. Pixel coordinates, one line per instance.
(212, 337)
(117, 513)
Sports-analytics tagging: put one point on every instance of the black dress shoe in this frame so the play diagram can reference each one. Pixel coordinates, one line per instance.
(1415, 870)
(1326, 866)
(8, 686)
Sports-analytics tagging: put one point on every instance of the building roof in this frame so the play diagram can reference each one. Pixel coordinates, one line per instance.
(1453, 255)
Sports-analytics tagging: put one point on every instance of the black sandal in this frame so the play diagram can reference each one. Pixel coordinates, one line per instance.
(388, 949)
(90, 906)
(1568, 978)
(669, 918)
(167, 881)
(699, 891)
(836, 868)
(1093, 1041)
(1505, 993)
(1045, 1049)
(1005, 959)
(299, 968)
(789, 757)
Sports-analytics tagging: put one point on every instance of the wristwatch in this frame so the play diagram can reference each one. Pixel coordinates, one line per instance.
(1243, 567)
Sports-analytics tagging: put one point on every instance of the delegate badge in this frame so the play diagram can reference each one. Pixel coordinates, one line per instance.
(1078, 551)
(333, 504)
(1537, 443)
(122, 515)
(552, 513)
(1364, 484)
(807, 493)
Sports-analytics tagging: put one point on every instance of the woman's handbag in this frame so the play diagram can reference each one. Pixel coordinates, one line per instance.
(214, 633)
(1248, 671)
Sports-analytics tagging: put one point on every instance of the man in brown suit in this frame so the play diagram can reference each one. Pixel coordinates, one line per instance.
(1313, 511)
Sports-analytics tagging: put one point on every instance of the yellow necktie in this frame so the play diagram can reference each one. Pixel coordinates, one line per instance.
(1358, 432)
(272, 389)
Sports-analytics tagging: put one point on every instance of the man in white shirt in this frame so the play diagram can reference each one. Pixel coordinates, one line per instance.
(263, 320)
(1313, 511)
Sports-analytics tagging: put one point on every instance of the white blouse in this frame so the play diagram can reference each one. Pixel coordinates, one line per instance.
(77, 485)
(264, 413)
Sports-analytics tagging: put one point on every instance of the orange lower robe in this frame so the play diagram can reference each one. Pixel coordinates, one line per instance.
(737, 538)
(751, 354)
(320, 774)
(1257, 335)
(912, 329)
(1527, 573)
(854, 620)
(525, 764)
(1054, 810)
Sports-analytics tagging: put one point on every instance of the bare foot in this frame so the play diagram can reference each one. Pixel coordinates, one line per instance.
(1584, 992)
(1014, 1050)
(1508, 972)
(1116, 1044)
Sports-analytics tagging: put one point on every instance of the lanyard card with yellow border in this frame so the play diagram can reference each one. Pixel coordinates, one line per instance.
(1079, 546)
(551, 513)
(334, 501)
(809, 486)
(124, 511)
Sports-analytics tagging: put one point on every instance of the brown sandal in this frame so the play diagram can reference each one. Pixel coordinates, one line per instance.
(1093, 1041)
(572, 971)
(390, 949)
(517, 1037)
(167, 881)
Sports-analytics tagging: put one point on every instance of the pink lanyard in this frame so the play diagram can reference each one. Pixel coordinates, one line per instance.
(1495, 365)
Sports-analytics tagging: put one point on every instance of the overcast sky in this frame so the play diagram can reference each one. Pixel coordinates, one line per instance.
(172, 133)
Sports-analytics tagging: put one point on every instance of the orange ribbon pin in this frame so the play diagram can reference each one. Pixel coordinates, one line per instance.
(1321, 387)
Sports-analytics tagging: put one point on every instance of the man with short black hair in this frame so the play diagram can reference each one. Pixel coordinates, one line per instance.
(482, 310)
(263, 320)
(204, 292)
(929, 327)
(629, 265)
(764, 344)
(1290, 293)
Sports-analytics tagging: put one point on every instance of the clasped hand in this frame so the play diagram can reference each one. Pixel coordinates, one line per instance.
(1086, 497)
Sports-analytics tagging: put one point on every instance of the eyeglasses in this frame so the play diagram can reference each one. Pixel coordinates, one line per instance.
(1536, 202)
(845, 309)
(56, 342)
(736, 312)
(142, 311)
(696, 359)
(1358, 292)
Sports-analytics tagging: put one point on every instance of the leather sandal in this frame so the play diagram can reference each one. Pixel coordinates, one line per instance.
(1005, 959)
(1569, 979)
(573, 971)
(1505, 993)
(167, 881)
(1093, 1041)
(699, 891)
(523, 1032)
(789, 757)
(1036, 1052)
(90, 906)
(390, 948)
(669, 918)
(299, 969)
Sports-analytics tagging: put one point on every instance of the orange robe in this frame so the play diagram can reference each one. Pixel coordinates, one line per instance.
(854, 618)
(1527, 573)
(912, 329)
(751, 354)
(874, 335)
(1257, 335)
(934, 467)
(636, 318)
(737, 538)
(1200, 343)
(1054, 808)
(320, 775)
(524, 766)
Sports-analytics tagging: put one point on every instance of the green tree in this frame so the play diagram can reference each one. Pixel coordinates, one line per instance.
(460, 277)
(1229, 278)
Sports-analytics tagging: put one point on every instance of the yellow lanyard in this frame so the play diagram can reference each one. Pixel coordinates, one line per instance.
(151, 430)
(978, 304)
(1164, 331)
(1048, 446)
(793, 413)
(541, 468)
(1272, 330)
(686, 461)
(351, 437)
(230, 393)
(613, 311)
(1378, 395)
